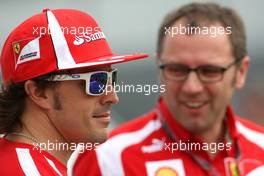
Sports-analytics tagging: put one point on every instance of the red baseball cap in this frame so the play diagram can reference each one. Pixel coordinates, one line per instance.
(56, 40)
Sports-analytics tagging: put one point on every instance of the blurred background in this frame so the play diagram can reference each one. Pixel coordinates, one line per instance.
(132, 26)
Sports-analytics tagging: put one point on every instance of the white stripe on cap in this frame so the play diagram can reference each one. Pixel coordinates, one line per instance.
(257, 172)
(64, 57)
(26, 162)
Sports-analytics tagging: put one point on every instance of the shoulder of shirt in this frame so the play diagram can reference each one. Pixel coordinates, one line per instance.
(131, 133)
(250, 131)
(249, 124)
(11, 153)
(23, 157)
(134, 125)
(126, 135)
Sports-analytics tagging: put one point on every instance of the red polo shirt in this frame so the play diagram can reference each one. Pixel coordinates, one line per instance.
(19, 159)
(156, 145)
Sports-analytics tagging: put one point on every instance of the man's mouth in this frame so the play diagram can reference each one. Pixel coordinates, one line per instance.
(104, 118)
(194, 105)
(102, 115)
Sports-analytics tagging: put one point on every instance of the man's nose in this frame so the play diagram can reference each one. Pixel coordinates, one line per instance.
(192, 84)
(110, 95)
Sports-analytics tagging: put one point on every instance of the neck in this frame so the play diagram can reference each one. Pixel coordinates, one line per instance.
(214, 135)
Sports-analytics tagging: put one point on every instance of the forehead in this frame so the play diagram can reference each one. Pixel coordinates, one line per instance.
(199, 47)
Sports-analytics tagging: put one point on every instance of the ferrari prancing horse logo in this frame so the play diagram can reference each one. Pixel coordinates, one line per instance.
(16, 48)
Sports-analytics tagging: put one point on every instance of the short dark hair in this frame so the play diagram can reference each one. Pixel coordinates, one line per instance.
(198, 13)
(12, 102)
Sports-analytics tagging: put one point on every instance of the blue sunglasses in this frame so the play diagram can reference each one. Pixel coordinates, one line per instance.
(96, 82)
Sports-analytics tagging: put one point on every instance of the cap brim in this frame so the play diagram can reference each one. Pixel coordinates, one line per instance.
(108, 60)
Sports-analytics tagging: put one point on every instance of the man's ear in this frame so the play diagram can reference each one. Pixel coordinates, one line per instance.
(157, 62)
(41, 97)
(242, 72)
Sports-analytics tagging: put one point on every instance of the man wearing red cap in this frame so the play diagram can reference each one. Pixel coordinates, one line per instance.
(55, 67)
(193, 131)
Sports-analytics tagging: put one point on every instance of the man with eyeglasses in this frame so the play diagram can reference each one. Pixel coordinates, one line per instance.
(193, 130)
(55, 69)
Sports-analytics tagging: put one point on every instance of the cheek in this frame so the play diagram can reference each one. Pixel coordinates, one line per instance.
(221, 93)
(171, 94)
(85, 109)
(76, 120)
(78, 110)
(171, 88)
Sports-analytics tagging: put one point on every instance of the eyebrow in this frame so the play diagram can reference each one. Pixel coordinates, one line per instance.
(185, 65)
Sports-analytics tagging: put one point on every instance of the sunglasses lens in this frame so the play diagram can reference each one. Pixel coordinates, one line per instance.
(114, 77)
(98, 83)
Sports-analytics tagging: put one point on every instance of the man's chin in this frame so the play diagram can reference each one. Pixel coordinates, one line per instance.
(196, 126)
(99, 138)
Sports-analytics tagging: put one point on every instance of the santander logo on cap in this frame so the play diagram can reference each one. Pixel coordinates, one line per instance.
(85, 37)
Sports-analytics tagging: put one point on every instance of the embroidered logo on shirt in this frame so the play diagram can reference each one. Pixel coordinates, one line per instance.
(166, 171)
(157, 145)
(172, 167)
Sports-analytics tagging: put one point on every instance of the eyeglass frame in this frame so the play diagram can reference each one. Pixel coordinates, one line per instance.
(196, 70)
(86, 77)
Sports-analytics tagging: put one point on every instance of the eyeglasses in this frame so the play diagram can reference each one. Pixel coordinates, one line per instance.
(96, 82)
(206, 73)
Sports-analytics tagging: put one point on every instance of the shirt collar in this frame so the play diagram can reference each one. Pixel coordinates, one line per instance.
(184, 134)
